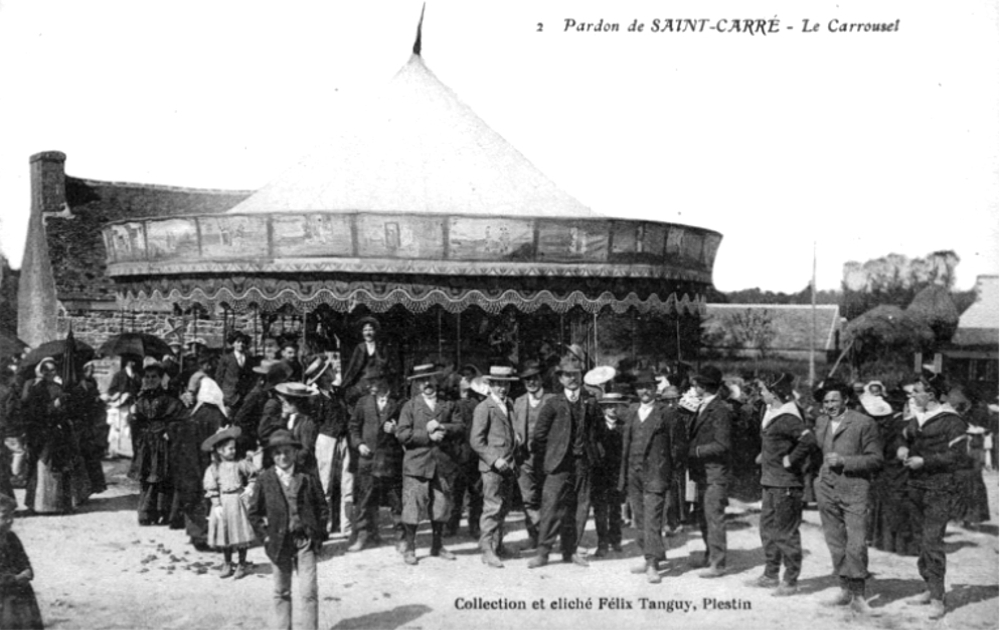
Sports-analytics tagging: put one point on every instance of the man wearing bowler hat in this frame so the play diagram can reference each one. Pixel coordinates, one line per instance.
(649, 446)
(427, 424)
(708, 461)
(564, 446)
(526, 409)
(494, 441)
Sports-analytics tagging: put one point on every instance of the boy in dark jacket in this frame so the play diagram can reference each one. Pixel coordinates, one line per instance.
(292, 503)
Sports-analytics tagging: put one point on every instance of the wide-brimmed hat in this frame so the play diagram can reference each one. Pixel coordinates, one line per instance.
(599, 375)
(424, 371)
(295, 390)
(499, 373)
(614, 397)
(316, 369)
(282, 437)
(530, 368)
(230, 433)
(197, 341)
(569, 365)
(175, 343)
(368, 319)
(645, 377)
(709, 375)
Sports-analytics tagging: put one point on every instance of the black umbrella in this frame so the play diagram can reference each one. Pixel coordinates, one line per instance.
(139, 344)
(81, 353)
(11, 346)
(69, 371)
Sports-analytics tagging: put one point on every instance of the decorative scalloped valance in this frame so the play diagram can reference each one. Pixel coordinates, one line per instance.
(414, 299)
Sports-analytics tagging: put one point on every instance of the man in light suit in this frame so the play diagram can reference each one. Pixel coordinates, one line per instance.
(708, 460)
(494, 441)
(529, 480)
(427, 427)
(564, 446)
(852, 453)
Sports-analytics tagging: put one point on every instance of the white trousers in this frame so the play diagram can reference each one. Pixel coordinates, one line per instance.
(329, 449)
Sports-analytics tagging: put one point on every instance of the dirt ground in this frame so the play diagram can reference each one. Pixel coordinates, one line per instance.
(97, 569)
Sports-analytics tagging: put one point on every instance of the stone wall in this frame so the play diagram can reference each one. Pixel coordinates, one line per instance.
(94, 327)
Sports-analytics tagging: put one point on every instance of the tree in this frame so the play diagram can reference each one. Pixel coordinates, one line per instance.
(894, 279)
(887, 334)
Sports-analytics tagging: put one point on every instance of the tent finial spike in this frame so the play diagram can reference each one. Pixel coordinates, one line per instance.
(420, 26)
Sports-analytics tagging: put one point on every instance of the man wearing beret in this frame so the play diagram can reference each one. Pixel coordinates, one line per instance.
(708, 462)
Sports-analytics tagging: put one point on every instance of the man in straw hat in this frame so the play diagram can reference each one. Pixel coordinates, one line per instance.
(261, 407)
(426, 424)
(526, 409)
(294, 399)
(334, 454)
(564, 447)
(650, 444)
(494, 441)
(852, 453)
(292, 504)
(936, 446)
(380, 463)
(708, 459)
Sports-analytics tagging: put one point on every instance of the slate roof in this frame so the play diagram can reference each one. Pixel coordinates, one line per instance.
(76, 247)
(792, 323)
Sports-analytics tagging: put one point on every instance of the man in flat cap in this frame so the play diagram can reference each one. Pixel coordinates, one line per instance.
(564, 445)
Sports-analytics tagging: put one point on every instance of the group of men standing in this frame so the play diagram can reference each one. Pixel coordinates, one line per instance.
(555, 454)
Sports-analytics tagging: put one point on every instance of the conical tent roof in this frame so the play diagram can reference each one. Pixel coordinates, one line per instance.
(416, 149)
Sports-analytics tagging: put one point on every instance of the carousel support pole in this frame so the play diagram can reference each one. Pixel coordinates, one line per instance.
(458, 338)
(440, 337)
(303, 342)
(225, 326)
(677, 328)
(256, 316)
(596, 347)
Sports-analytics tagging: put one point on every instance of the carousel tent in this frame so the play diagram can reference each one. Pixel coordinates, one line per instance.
(414, 208)
(415, 148)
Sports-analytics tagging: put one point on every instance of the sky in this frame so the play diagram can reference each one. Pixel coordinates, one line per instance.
(862, 143)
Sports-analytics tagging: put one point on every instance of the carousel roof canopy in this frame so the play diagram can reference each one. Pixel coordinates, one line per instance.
(416, 149)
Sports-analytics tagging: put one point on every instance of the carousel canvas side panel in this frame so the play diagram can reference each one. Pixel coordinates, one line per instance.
(233, 236)
(472, 238)
(400, 236)
(172, 240)
(308, 235)
(125, 242)
(572, 241)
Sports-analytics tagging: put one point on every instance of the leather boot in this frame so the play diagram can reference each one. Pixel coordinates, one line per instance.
(437, 546)
(410, 543)
(359, 542)
(652, 573)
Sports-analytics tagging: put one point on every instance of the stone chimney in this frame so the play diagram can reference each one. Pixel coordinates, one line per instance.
(48, 181)
(36, 296)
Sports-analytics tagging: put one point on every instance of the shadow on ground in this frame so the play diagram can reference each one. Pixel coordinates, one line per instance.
(384, 620)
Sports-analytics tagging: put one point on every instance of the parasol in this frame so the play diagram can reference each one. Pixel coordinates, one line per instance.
(139, 344)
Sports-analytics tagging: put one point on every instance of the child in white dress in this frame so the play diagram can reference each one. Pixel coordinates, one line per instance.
(228, 484)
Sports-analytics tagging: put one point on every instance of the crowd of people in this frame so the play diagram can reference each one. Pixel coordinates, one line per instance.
(288, 449)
